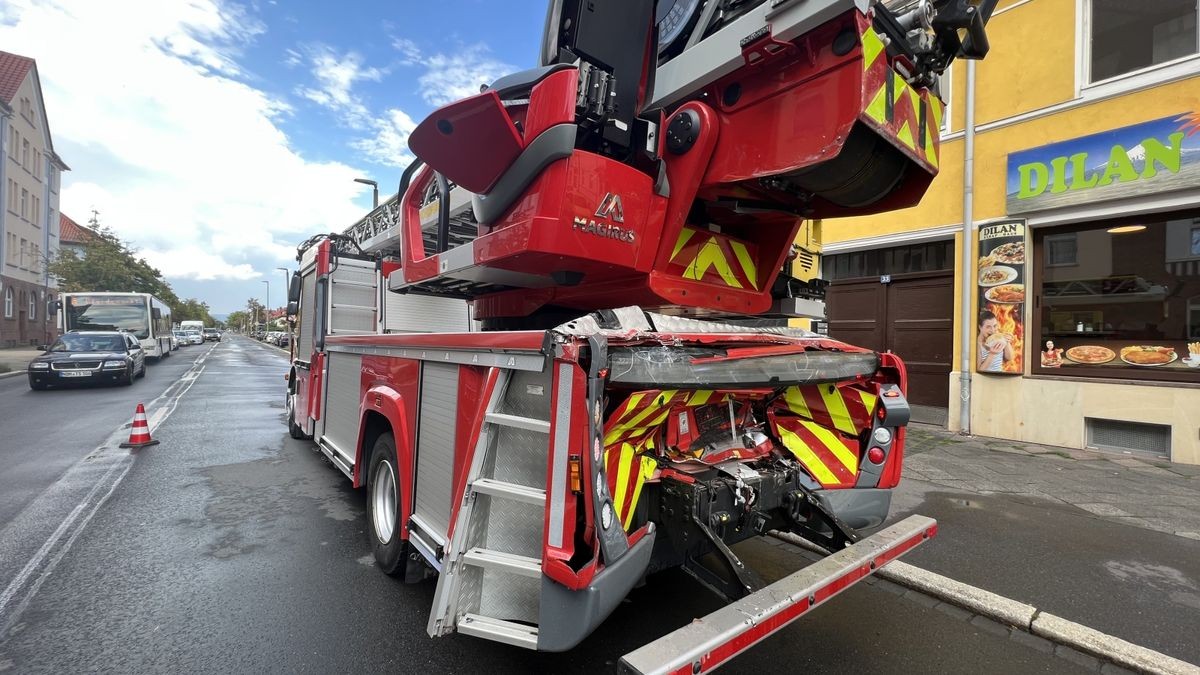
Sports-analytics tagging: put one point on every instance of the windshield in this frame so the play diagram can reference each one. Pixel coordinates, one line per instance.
(89, 343)
(100, 312)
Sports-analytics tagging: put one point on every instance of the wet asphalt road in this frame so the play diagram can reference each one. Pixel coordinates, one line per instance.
(233, 548)
(45, 432)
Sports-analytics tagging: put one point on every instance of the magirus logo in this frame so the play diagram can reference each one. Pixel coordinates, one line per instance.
(611, 209)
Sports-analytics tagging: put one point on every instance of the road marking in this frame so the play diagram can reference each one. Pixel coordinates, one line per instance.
(71, 526)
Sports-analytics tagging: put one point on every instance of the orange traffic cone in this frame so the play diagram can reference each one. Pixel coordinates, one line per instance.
(139, 435)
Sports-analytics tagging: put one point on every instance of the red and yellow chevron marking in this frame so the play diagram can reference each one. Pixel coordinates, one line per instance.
(644, 411)
(830, 458)
(628, 469)
(706, 256)
(846, 408)
(894, 107)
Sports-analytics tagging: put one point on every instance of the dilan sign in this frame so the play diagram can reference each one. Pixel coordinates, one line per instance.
(1157, 156)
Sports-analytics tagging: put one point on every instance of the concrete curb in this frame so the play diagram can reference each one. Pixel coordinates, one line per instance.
(1021, 616)
(15, 373)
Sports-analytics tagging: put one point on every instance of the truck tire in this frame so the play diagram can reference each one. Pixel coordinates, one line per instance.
(294, 430)
(383, 509)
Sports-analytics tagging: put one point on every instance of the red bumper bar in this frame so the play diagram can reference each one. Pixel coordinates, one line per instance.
(707, 643)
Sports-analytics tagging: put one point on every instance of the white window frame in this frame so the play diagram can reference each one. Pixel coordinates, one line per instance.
(1149, 76)
(8, 303)
(32, 305)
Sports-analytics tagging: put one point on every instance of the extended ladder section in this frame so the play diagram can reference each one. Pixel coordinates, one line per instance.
(490, 585)
(352, 297)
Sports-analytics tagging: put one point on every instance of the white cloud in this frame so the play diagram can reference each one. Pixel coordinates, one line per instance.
(192, 262)
(389, 145)
(449, 77)
(179, 156)
(336, 75)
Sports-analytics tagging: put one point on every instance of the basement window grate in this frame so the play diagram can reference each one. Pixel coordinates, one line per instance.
(1137, 437)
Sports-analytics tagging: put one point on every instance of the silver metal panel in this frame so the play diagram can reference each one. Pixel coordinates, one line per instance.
(407, 313)
(510, 597)
(721, 53)
(436, 435)
(520, 361)
(308, 313)
(521, 455)
(558, 467)
(1140, 437)
(341, 404)
(353, 296)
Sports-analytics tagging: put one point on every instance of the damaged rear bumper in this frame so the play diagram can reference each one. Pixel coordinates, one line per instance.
(711, 641)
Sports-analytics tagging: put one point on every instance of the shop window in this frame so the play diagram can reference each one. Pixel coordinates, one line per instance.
(1131, 36)
(1127, 308)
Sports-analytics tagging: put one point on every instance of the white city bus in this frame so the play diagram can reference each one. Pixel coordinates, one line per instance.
(141, 314)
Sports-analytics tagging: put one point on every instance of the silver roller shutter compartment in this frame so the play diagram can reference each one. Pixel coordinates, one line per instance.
(341, 406)
(353, 285)
(308, 313)
(408, 313)
(436, 436)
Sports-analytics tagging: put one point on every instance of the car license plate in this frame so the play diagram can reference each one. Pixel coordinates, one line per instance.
(74, 373)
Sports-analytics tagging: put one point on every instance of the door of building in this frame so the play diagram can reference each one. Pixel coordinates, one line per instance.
(912, 315)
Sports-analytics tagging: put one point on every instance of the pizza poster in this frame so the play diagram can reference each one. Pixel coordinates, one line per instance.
(1000, 327)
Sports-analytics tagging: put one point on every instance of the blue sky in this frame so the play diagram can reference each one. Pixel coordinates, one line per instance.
(216, 134)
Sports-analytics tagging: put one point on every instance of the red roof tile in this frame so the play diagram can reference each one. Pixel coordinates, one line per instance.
(13, 69)
(71, 232)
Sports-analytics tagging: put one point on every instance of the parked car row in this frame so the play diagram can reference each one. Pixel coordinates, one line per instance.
(278, 338)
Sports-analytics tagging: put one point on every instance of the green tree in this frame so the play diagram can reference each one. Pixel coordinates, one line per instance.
(109, 264)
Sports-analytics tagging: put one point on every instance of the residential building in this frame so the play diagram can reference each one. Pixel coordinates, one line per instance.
(1067, 211)
(29, 187)
(72, 236)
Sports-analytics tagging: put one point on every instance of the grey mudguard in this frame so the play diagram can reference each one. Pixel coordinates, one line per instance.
(860, 508)
(566, 617)
(555, 143)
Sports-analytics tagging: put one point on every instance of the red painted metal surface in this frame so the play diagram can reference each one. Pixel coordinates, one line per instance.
(472, 142)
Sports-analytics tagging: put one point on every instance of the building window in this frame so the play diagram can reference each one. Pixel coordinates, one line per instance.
(24, 201)
(32, 305)
(927, 257)
(1125, 308)
(8, 303)
(1062, 250)
(25, 153)
(1130, 36)
(1195, 250)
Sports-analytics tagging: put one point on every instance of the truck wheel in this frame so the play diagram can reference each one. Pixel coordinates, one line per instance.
(383, 506)
(294, 430)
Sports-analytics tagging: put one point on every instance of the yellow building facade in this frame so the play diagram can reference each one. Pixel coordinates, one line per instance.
(1070, 165)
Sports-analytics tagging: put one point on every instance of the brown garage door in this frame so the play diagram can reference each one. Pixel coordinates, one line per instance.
(912, 316)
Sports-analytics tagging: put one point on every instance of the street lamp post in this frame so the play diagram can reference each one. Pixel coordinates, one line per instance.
(287, 278)
(374, 190)
(267, 309)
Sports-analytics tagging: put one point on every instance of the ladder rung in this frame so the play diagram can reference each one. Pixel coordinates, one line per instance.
(504, 562)
(365, 308)
(351, 282)
(508, 632)
(520, 493)
(527, 423)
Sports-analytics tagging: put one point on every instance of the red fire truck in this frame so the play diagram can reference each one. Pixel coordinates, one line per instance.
(546, 360)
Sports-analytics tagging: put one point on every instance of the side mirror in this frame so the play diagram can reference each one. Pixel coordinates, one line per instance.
(44, 348)
(294, 288)
(293, 308)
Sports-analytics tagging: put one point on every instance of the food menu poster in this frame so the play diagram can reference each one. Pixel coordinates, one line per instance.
(1000, 278)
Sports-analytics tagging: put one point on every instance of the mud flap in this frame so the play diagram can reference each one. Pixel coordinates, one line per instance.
(707, 643)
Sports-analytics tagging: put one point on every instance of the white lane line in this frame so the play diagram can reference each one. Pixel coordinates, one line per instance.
(163, 405)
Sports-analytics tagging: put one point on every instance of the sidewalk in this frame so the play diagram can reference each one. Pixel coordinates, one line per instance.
(1148, 493)
(1106, 540)
(14, 361)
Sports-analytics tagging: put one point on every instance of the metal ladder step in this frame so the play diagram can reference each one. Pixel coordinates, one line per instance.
(503, 562)
(508, 632)
(526, 423)
(499, 488)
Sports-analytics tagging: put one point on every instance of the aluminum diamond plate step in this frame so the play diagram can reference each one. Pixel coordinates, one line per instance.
(499, 488)
(527, 423)
(508, 632)
(504, 562)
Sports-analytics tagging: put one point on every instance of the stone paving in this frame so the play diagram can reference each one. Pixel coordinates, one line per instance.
(1144, 492)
